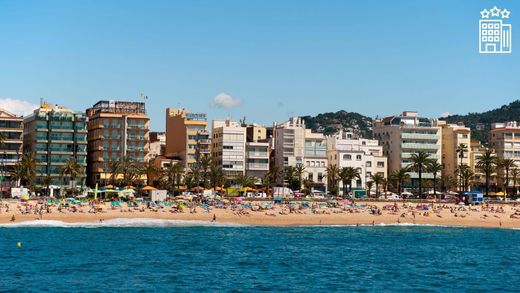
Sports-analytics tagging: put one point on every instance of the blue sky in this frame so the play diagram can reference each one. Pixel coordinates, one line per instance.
(279, 58)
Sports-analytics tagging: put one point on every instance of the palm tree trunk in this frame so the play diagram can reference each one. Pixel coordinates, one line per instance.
(420, 182)
(487, 184)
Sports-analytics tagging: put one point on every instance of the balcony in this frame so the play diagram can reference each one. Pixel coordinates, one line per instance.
(419, 136)
(257, 166)
(257, 154)
(420, 146)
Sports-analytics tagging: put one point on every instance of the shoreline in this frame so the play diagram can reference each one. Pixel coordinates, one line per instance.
(388, 213)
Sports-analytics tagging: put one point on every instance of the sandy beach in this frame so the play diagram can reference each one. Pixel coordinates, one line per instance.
(364, 213)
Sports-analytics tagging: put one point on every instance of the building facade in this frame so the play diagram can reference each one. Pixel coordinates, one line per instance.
(157, 144)
(187, 137)
(11, 128)
(54, 134)
(345, 149)
(406, 134)
(116, 130)
(505, 139)
(454, 135)
(228, 147)
(294, 144)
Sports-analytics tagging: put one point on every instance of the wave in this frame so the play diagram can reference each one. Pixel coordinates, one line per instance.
(384, 225)
(121, 222)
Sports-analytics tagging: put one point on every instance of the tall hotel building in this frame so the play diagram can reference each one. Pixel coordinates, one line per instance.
(403, 135)
(11, 126)
(117, 129)
(187, 137)
(228, 146)
(55, 134)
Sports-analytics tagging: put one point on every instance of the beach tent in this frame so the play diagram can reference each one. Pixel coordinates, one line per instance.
(474, 196)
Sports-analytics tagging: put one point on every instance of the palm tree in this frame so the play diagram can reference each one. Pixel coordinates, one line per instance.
(434, 167)
(346, 175)
(332, 178)
(24, 170)
(114, 169)
(150, 171)
(216, 175)
(506, 165)
(47, 181)
(174, 173)
(130, 170)
(460, 150)
(467, 175)
(487, 164)
(245, 181)
(308, 184)
(378, 179)
(400, 176)
(369, 185)
(274, 172)
(419, 163)
(298, 172)
(205, 165)
(288, 175)
(267, 182)
(73, 170)
(514, 177)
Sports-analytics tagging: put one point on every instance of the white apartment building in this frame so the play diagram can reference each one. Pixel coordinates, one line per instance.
(294, 144)
(403, 135)
(228, 146)
(345, 149)
(257, 159)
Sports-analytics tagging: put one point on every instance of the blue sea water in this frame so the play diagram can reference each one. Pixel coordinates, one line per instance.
(236, 259)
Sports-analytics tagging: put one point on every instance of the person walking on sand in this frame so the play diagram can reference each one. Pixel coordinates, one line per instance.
(13, 219)
(214, 218)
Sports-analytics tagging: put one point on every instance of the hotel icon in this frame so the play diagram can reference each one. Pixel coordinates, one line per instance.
(494, 35)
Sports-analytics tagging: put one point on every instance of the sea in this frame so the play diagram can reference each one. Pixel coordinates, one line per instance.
(143, 255)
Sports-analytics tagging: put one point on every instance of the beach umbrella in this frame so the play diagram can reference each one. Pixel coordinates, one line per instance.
(129, 187)
(147, 188)
(110, 186)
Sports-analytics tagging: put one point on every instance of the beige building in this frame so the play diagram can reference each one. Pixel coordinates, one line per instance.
(11, 126)
(187, 137)
(454, 135)
(403, 135)
(228, 146)
(157, 144)
(116, 129)
(505, 139)
(294, 144)
(344, 149)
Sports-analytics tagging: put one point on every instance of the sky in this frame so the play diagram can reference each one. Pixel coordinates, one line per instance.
(266, 60)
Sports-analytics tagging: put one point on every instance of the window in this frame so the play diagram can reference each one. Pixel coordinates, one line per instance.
(380, 164)
(358, 157)
(347, 157)
(320, 177)
(368, 164)
(310, 177)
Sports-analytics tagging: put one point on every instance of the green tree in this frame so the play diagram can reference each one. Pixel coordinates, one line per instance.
(73, 170)
(419, 163)
(24, 170)
(506, 165)
(299, 170)
(150, 171)
(217, 176)
(487, 164)
(399, 177)
(205, 165)
(461, 150)
(434, 167)
(378, 180)
(332, 173)
(346, 175)
(514, 178)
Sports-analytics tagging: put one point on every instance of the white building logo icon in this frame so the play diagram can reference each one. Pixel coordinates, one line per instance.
(494, 36)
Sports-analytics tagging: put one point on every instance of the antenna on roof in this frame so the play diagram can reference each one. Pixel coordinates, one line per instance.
(143, 96)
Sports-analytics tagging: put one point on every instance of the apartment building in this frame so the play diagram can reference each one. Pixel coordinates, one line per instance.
(228, 146)
(403, 135)
(187, 137)
(157, 144)
(345, 149)
(505, 139)
(454, 135)
(294, 144)
(11, 127)
(54, 134)
(117, 130)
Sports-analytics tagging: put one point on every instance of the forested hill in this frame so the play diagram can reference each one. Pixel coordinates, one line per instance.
(480, 123)
(330, 123)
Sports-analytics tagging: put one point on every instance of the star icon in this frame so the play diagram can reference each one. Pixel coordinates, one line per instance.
(505, 13)
(484, 13)
(495, 11)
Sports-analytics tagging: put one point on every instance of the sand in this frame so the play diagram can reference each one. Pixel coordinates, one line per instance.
(279, 216)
